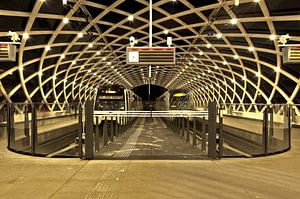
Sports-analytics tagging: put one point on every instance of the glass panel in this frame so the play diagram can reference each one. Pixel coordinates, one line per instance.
(149, 135)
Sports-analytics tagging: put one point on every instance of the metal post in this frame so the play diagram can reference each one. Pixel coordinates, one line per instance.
(203, 132)
(287, 125)
(194, 133)
(116, 127)
(26, 125)
(265, 132)
(188, 129)
(220, 134)
(89, 130)
(105, 140)
(212, 112)
(120, 126)
(10, 126)
(33, 129)
(80, 132)
(97, 135)
(112, 128)
(271, 125)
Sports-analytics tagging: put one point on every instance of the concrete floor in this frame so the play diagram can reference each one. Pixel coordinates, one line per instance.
(276, 176)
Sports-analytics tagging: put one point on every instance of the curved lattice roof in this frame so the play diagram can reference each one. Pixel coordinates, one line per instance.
(216, 59)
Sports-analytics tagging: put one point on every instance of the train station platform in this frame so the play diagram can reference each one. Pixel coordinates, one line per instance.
(274, 176)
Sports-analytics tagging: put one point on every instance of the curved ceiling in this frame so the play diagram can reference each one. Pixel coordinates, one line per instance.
(224, 52)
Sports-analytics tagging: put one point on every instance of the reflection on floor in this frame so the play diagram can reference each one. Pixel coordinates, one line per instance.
(149, 138)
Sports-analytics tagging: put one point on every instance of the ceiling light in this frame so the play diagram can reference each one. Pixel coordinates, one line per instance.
(109, 63)
(104, 58)
(130, 18)
(251, 49)
(235, 56)
(62, 56)
(256, 1)
(236, 2)
(64, 2)
(272, 37)
(166, 32)
(244, 78)
(74, 62)
(66, 20)
(208, 45)
(21, 68)
(201, 53)
(257, 74)
(219, 35)
(47, 48)
(216, 67)
(40, 73)
(98, 53)
(195, 59)
(26, 35)
(234, 21)
(224, 63)
(90, 45)
(232, 81)
(277, 69)
(80, 35)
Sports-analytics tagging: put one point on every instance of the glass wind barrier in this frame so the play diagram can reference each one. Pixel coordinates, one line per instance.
(251, 130)
(150, 135)
(43, 129)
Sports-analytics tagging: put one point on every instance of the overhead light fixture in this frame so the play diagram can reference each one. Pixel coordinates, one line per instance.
(277, 69)
(208, 45)
(104, 58)
(64, 2)
(236, 2)
(47, 48)
(80, 35)
(62, 56)
(256, 1)
(130, 18)
(74, 62)
(66, 20)
(235, 57)
(251, 49)
(90, 45)
(272, 37)
(219, 35)
(166, 32)
(26, 36)
(98, 53)
(224, 63)
(257, 74)
(195, 59)
(234, 21)
(201, 53)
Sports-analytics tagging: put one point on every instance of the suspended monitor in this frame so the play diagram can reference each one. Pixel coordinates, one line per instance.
(7, 52)
(150, 56)
(291, 54)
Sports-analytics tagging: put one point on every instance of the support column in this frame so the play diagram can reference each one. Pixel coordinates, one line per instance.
(33, 129)
(212, 112)
(80, 131)
(89, 130)
(194, 133)
(97, 135)
(203, 132)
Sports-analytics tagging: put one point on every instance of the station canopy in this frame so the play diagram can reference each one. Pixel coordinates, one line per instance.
(224, 52)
